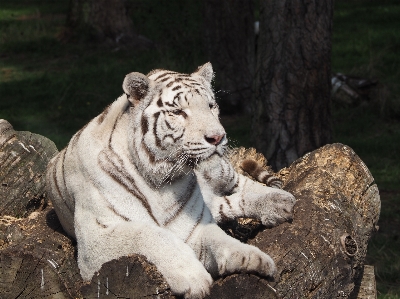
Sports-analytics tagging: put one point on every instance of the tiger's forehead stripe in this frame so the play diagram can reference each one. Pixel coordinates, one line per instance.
(174, 85)
(160, 76)
(182, 80)
(164, 74)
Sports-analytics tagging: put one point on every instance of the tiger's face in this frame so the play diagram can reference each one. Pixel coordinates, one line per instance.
(179, 119)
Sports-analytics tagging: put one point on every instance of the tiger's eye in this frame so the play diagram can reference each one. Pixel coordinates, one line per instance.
(179, 112)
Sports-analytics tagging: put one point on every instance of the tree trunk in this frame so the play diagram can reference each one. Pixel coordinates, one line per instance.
(319, 255)
(101, 20)
(292, 114)
(230, 43)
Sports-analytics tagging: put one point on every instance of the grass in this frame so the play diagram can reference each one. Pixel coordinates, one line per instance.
(53, 88)
(366, 40)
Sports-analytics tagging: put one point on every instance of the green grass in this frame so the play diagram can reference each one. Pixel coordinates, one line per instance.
(366, 42)
(53, 88)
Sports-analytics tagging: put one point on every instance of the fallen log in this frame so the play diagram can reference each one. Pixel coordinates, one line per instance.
(322, 252)
(319, 255)
(23, 160)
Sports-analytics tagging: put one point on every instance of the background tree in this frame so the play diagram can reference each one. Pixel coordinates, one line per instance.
(101, 20)
(230, 46)
(291, 112)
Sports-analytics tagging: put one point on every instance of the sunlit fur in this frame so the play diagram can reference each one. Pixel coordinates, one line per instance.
(149, 176)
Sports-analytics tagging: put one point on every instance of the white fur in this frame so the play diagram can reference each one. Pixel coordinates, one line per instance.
(116, 199)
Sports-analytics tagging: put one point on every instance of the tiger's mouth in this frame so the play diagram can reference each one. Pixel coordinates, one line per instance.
(197, 155)
(194, 159)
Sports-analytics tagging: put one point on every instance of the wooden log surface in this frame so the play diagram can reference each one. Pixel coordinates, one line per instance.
(23, 160)
(322, 252)
(319, 255)
(42, 262)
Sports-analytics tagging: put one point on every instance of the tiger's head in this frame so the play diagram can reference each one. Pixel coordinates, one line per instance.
(175, 115)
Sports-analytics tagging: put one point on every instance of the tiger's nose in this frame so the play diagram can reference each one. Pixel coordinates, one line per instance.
(214, 139)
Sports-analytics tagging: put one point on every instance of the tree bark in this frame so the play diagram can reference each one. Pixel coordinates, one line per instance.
(319, 255)
(101, 20)
(230, 43)
(23, 161)
(291, 112)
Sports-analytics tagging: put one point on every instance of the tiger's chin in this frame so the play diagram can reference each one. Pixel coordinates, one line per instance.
(204, 159)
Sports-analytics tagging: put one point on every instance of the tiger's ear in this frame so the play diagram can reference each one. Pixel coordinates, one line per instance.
(205, 71)
(136, 86)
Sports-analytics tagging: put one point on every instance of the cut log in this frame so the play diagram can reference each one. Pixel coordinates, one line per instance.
(127, 277)
(42, 262)
(319, 255)
(23, 160)
(322, 252)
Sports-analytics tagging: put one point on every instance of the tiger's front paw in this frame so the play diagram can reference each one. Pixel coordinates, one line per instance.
(188, 278)
(276, 207)
(245, 258)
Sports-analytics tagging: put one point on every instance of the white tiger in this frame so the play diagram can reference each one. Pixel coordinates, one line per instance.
(149, 176)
